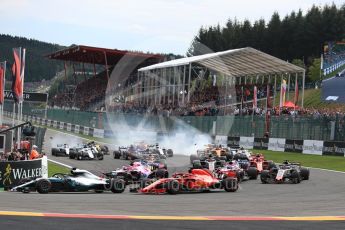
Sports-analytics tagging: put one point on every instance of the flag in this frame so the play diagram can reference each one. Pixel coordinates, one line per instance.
(268, 101)
(18, 68)
(214, 80)
(282, 93)
(242, 100)
(2, 81)
(296, 92)
(255, 98)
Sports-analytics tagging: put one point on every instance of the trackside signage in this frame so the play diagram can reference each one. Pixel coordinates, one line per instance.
(313, 147)
(247, 142)
(276, 144)
(11, 172)
(33, 97)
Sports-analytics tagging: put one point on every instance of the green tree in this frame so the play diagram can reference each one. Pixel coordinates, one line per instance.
(314, 70)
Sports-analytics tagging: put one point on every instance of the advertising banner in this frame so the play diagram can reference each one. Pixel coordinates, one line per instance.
(260, 143)
(293, 146)
(313, 147)
(11, 172)
(276, 144)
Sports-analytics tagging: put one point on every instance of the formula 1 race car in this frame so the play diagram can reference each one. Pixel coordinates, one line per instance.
(243, 159)
(77, 181)
(233, 169)
(86, 152)
(62, 150)
(196, 180)
(286, 172)
(212, 151)
(258, 161)
(136, 151)
(140, 170)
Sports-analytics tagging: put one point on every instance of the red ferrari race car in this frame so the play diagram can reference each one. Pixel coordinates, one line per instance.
(196, 180)
(258, 161)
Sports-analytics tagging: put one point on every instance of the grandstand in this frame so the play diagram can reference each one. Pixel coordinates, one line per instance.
(90, 93)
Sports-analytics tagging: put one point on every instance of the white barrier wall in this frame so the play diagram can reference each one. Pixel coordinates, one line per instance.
(247, 142)
(312, 147)
(276, 144)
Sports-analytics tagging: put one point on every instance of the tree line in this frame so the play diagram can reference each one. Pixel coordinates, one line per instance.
(37, 66)
(294, 37)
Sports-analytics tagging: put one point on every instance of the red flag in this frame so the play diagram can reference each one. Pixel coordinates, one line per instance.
(255, 98)
(268, 97)
(296, 92)
(2, 81)
(17, 84)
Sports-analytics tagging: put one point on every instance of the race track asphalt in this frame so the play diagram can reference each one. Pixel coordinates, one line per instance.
(41, 223)
(322, 195)
(334, 87)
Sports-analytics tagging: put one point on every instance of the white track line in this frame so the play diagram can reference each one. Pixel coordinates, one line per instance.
(328, 79)
(328, 170)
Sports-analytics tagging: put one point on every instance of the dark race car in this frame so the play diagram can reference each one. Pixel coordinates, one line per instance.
(140, 170)
(61, 150)
(233, 169)
(243, 159)
(212, 151)
(196, 180)
(135, 151)
(86, 152)
(77, 181)
(285, 173)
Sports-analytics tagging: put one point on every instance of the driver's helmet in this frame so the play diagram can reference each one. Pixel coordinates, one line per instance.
(286, 162)
(258, 155)
(241, 148)
(136, 164)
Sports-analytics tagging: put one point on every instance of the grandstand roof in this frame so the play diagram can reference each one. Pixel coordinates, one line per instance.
(236, 62)
(88, 54)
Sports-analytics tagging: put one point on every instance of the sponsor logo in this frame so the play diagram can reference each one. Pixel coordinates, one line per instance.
(21, 173)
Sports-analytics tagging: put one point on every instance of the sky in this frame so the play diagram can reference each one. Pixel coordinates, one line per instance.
(159, 26)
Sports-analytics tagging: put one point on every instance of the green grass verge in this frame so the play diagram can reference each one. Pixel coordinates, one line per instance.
(55, 168)
(324, 162)
(312, 100)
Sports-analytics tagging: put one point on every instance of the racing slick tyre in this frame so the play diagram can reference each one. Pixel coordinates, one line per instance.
(170, 153)
(252, 173)
(173, 187)
(264, 176)
(100, 156)
(295, 177)
(43, 186)
(271, 164)
(229, 156)
(305, 173)
(230, 184)
(162, 173)
(53, 152)
(105, 150)
(240, 176)
(196, 164)
(118, 186)
(144, 183)
(117, 154)
(193, 157)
